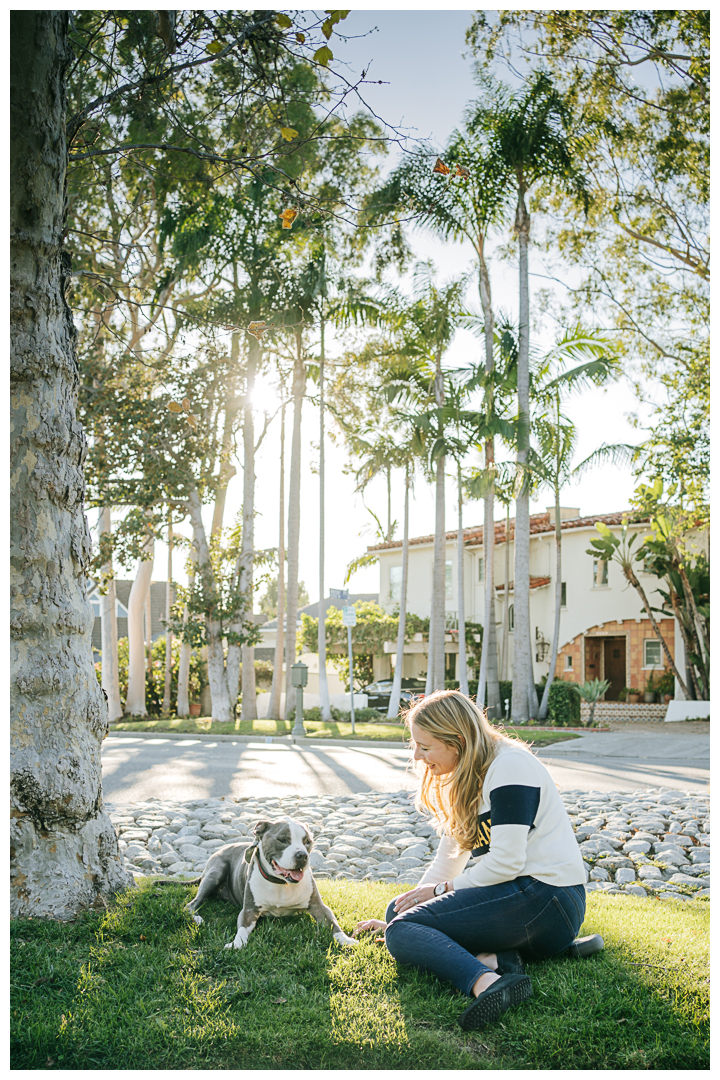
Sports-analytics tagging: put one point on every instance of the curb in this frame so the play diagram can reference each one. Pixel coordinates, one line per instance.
(277, 740)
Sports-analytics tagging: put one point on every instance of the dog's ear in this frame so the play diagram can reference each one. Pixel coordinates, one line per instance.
(261, 827)
(249, 852)
(307, 829)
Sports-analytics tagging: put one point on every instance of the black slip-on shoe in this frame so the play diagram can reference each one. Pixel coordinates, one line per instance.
(585, 946)
(510, 963)
(489, 1006)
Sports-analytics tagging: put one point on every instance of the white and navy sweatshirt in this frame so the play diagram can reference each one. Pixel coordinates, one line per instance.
(524, 830)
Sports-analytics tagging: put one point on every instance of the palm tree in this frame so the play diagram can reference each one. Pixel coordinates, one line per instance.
(464, 203)
(550, 464)
(528, 136)
(427, 329)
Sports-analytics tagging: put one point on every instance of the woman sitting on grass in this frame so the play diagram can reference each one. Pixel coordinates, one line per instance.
(492, 798)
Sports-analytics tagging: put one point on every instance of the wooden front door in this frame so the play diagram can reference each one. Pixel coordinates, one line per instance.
(593, 658)
(615, 670)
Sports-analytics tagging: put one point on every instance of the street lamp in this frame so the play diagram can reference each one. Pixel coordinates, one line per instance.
(299, 676)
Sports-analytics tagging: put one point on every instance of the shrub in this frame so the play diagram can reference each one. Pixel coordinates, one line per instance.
(564, 703)
(155, 680)
(315, 715)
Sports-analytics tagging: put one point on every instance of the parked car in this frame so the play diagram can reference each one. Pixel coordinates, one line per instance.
(379, 692)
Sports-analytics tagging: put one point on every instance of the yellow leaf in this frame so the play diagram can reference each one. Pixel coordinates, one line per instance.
(289, 134)
(441, 167)
(323, 56)
(460, 170)
(300, 38)
(215, 47)
(288, 216)
(186, 404)
(257, 329)
(283, 21)
(192, 421)
(174, 407)
(327, 29)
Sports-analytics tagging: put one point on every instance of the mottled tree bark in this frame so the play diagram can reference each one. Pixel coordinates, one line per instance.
(274, 711)
(64, 854)
(135, 701)
(293, 564)
(247, 557)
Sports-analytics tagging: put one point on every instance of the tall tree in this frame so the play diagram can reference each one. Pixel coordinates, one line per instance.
(528, 133)
(64, 851)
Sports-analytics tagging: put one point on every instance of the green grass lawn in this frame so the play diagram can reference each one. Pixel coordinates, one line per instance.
(204, 725)
(142, 987)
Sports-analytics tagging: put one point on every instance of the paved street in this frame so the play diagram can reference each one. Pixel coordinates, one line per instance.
(137, 767)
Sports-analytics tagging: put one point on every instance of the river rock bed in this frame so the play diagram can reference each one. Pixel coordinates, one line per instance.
(645, 843)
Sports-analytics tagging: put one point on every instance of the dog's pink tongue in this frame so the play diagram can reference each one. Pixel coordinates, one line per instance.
(296, 875)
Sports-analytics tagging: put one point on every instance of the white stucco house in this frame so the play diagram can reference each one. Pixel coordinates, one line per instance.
(604, 630)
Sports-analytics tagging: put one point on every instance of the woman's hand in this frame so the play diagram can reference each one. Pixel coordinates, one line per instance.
(418, 895)
(369, 924)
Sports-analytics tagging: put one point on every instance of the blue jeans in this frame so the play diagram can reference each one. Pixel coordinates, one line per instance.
(444, 934)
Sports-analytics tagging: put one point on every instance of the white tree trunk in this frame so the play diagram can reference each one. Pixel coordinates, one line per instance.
(183, 690)
(247, 556)
(108, 631)
(488, 684)
(294, 524)
(135, 701)
(462, 652)
(274, 711)
(168, 631)
(542, 714)
(506, 609)
(222, 709)
(63, 848)
(394, 704)
(322, 645)
(437, 630)
(521, 652)
(148, 630)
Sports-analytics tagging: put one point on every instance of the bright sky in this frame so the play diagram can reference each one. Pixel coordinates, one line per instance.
(429, 83)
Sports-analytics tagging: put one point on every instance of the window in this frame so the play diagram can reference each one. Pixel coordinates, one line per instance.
(563, 594)
(395, 583)
(652, 653)
(448, 580)
(568, 663)
(511, 618)
(481, 569)
(120, 609)
(600, 573)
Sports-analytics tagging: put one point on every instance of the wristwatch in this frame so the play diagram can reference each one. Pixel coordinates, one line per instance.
(441, 888)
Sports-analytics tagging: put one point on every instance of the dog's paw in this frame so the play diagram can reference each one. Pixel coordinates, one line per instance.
(235, 944)
(198, 919)
(343, 939)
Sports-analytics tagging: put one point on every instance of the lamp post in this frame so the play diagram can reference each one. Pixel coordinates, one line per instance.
(299, 676)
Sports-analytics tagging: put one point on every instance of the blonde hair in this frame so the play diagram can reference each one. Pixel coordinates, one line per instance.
(454, 798)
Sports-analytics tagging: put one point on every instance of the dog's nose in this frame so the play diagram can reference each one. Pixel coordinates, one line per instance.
(301, 858)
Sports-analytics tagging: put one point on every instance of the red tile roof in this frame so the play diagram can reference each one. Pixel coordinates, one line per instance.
(539, 523)
(535, 583)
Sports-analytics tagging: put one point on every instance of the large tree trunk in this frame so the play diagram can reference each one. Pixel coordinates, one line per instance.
(222, 708)
(294, 523)
(394, 704)
(277, 680)
(247, 555)
(135, 701)
(542, 714)
(63, 852)
(521, 651)
(108, 630)
(322, 644)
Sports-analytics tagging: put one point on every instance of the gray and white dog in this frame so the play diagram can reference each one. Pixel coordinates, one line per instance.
(271, 877)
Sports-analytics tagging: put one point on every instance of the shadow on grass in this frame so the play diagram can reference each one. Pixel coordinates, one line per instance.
(143, 987)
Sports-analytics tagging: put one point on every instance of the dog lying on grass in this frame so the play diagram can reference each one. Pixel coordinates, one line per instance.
(271, 877)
